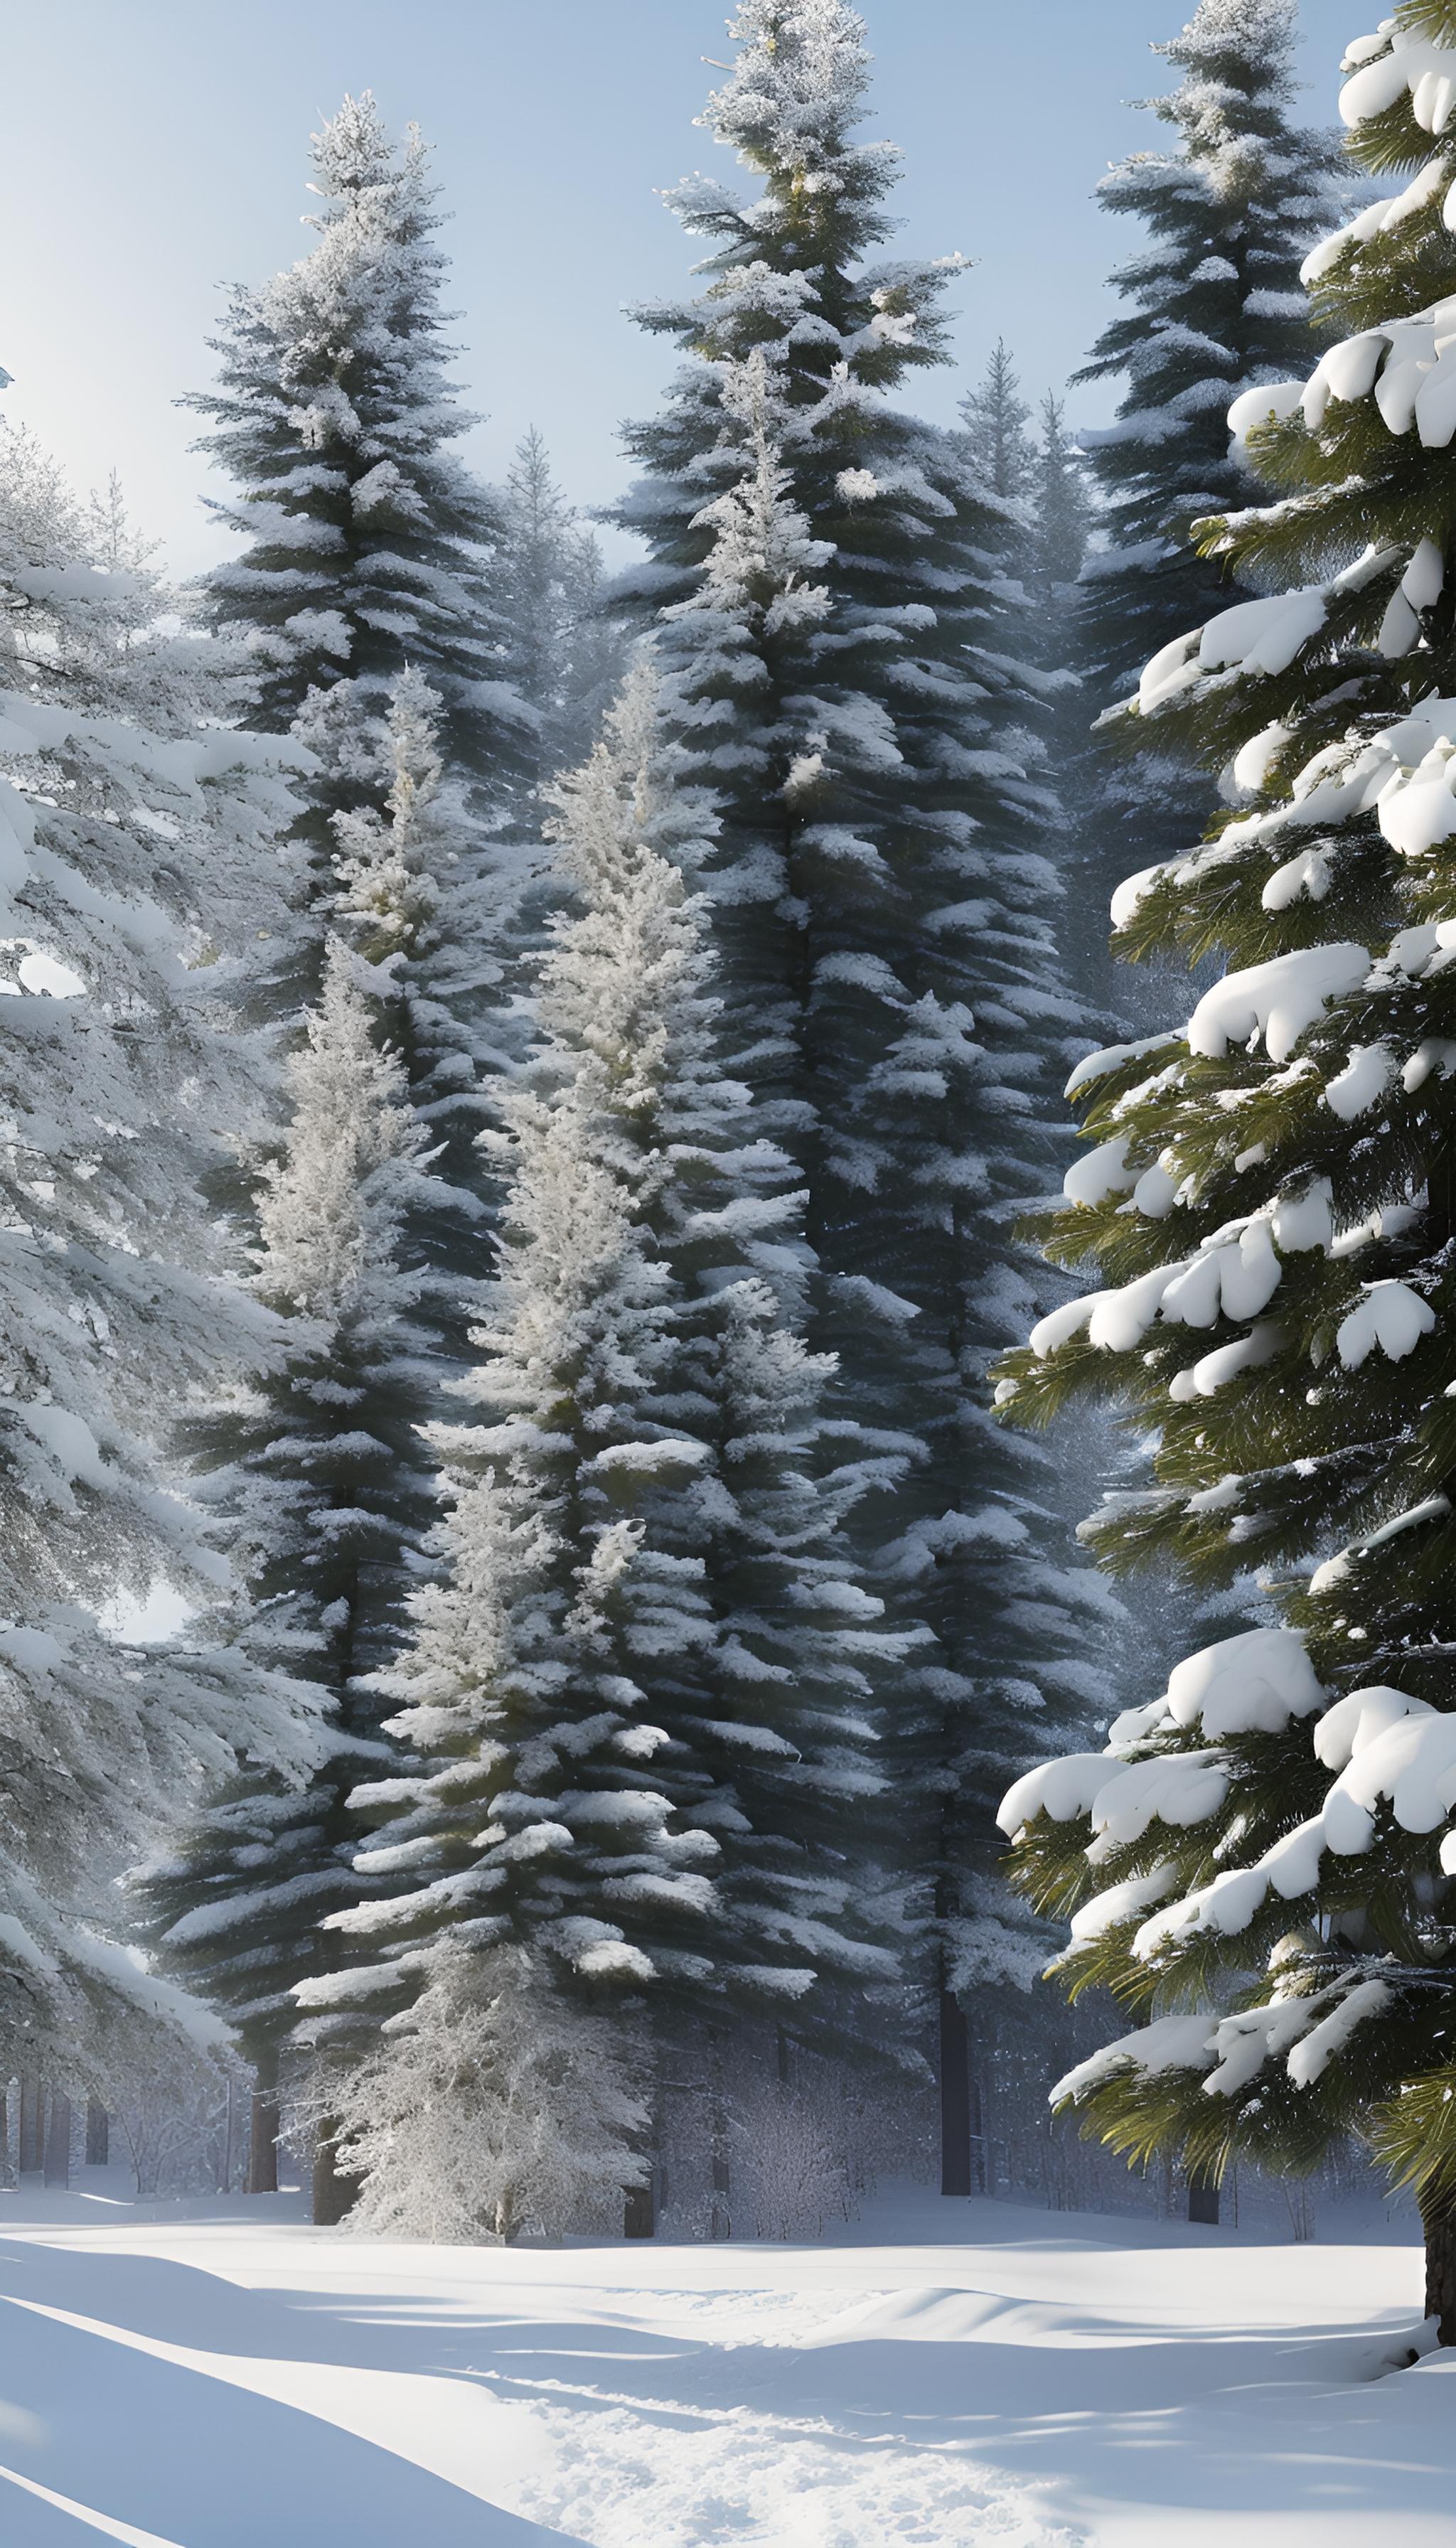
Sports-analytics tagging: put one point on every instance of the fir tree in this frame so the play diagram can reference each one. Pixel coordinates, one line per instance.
(563, 649)
(1062, 524)
(365, 596)
(334, 416)
(1213, 305)
(316, 1476)
(994, 418)
(491, 2107)
(651, 1526)
(843, 654)
(1259, 1862)
(141, 851)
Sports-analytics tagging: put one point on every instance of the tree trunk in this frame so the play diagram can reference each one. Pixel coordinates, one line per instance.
(262, 2156)
(639, 2212)
(58, 2141)
(4, 2139)
(32, 2109)
(1438, 2220)
(98, 2134)
(1203, 2199)
(334, 2195)
(720, 2224)
(954, 2097)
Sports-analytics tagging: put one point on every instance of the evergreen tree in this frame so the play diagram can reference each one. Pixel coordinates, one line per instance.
(843, 652)
(365, 594)
(1259, 1862)
(1062, 525)
(1213, 305)
(316, 1474)
(651, 1526)
(994, 418)
(334, 414)
(563, 649)
(139, 851)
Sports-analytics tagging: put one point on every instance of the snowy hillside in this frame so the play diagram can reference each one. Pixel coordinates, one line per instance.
(950, 2375)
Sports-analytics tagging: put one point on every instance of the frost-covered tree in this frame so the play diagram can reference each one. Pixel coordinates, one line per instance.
(843, 651)
(139, 851)
(994, 418)
(1211, 305)
(1062, 525)
(492, 2106)
(641, 1691)
(316, 1474)
(563, 647)
(1260, 1862)
(428, 904)
(334, 414)
(365, 594)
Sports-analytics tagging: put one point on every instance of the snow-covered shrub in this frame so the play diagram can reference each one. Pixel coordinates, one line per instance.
(492, 2108)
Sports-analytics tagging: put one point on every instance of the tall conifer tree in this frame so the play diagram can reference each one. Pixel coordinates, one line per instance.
(141, 848)
(843, 654)
(1213, 305)
(1260, 1862)
(649, 1528)
(563, 649)
(334, 416)
(317, 1474)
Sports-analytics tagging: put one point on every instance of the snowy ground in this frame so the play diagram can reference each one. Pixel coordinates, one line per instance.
(225, 2377)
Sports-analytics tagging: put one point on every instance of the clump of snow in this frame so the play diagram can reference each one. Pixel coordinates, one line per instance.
(1278, 1000)
(1390, 1316)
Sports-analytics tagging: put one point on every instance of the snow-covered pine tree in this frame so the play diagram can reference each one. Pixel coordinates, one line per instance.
(1062, 525)
(641, 1691)
(1213, 305)
(563, 649)
(1261, 1861)
(139, 852)
(425, 903)
(994, 418)
(880, 882)
(317, 1475)
(334, 414)
(365, 594)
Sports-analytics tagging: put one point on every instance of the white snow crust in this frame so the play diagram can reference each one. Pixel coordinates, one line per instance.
(942, 2375)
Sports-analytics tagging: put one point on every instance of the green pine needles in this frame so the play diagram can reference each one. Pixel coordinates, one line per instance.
(1258, 1866)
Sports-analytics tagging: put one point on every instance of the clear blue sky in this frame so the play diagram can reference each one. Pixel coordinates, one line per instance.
(155, 149)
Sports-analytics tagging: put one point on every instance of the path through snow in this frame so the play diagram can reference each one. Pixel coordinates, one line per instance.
(223, 2377)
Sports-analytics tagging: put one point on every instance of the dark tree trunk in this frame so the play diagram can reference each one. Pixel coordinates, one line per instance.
(720, 2224)
(954, 2097)
(639, 2212)
(1203, 2199)
(262, 2156)
(58, 2141)
(334, 2195)
(1438, 2218)
(32, 2109)
(98, 2134)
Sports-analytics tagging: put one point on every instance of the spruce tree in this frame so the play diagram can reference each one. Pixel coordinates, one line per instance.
(316, 1475)
(651, 1526)
(994, 418)
(881, 892)
(334, 414)
(563, 649)
(1062, 525)
(1213, 305)
(1259, 1862)
(141, 843)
